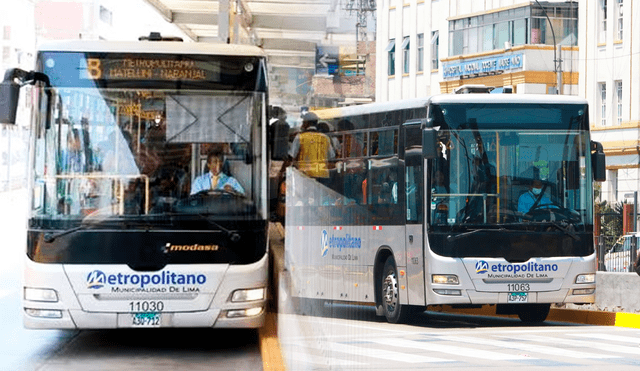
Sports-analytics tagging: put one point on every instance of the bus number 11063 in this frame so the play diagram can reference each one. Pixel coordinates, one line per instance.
(518, 287)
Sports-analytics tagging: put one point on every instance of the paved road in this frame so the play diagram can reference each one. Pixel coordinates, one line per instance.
(352, 338)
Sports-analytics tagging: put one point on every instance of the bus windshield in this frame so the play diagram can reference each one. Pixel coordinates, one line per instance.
(120, 153)
(524, 168)
(126, 137)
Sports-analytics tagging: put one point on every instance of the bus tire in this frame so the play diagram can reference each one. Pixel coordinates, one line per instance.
(533, 313)
(393, 311)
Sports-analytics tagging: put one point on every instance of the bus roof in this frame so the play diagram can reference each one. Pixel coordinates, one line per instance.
(363, 109)
(155, 47)
(329, 113)
(508, 98)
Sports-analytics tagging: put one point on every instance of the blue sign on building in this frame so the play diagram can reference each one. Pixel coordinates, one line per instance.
(483, 65)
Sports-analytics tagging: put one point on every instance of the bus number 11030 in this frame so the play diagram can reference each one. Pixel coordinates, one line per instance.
(146, 306)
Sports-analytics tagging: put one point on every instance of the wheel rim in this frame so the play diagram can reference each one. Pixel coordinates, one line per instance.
(390, 292)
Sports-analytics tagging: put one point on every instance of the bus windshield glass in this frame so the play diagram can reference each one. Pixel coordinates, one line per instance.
(516, 168)
(127, 138)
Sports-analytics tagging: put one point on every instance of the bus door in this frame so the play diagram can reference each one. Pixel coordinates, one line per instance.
(415, 212)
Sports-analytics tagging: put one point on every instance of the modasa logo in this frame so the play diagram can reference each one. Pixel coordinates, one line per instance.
(482, 267)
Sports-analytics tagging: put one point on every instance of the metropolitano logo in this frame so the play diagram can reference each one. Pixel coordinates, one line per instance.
(96, 279)
(482, 267)
(324, 243)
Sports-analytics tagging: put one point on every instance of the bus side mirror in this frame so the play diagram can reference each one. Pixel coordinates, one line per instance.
(598, 162)
(430, 143)
(9, 95)
(10, 92)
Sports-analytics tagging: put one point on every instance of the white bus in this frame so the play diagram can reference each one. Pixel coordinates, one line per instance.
(422, 206)
(118, 235)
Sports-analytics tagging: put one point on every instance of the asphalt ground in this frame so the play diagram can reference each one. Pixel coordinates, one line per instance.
(270, 346)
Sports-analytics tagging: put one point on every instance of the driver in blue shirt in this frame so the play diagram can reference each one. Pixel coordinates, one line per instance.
(215, 179)
(528, 199)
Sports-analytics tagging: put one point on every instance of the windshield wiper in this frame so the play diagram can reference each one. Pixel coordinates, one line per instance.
(136, 223)
(233, 236)
(471, 232)
(566, 230)
(50, 237)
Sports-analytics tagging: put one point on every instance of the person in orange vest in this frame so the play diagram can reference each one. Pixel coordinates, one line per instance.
(311, 150)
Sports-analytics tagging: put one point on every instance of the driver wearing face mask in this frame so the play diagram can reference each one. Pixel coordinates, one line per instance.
(529, 198)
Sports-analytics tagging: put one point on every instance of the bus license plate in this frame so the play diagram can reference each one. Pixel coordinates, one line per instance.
(518, 297)
(145, 319)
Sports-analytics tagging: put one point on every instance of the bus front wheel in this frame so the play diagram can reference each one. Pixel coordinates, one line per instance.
(390, 294)
(533, 313)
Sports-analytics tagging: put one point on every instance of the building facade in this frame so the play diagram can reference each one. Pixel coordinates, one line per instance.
(427, 47)
(610, 80)
(584, 48)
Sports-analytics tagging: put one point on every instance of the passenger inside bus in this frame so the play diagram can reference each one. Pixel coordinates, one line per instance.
(311, 150)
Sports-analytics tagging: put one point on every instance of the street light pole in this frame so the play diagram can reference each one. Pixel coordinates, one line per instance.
(223, 20)
(557, 63)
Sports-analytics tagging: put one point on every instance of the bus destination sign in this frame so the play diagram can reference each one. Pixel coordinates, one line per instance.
(145, 69)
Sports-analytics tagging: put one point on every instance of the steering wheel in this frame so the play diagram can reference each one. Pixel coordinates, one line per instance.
(216, 193)
(545, 212)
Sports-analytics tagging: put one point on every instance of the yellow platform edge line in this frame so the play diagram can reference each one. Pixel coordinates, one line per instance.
(631, 320)
(270, 345)
(587, 317)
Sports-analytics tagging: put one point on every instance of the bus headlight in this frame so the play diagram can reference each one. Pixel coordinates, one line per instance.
(33, 294)
(449, 292)
(445, 279)
(583, 291)
(249, 312)
(586, 278)
(248, 295)
(43, 313)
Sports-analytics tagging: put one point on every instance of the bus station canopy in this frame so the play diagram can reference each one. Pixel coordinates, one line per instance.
(288, 30)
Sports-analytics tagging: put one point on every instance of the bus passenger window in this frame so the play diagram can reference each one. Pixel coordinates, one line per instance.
(384, 143)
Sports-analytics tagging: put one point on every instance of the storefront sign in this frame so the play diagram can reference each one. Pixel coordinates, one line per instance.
(483, 66)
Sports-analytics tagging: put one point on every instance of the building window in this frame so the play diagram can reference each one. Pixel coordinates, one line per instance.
(619, 19)
(405, 55)
(519, 36)
(612, 179)
(435, 36)
(105, 15)
(6, 55)
(518, 26)
(391, 54)
(619, 102)
(602, 34)
(603, 104)
(420, 52)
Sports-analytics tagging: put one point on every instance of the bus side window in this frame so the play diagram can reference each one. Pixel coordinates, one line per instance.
(413, 178)
(384, 143)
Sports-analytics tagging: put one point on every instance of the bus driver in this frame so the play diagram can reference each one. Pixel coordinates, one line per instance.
(215, 179)
(528, 199)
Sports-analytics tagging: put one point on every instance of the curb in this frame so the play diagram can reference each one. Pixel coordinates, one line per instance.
(270, 344)
(585, 317)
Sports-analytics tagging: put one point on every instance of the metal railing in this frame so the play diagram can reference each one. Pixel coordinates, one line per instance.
(617, 254)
